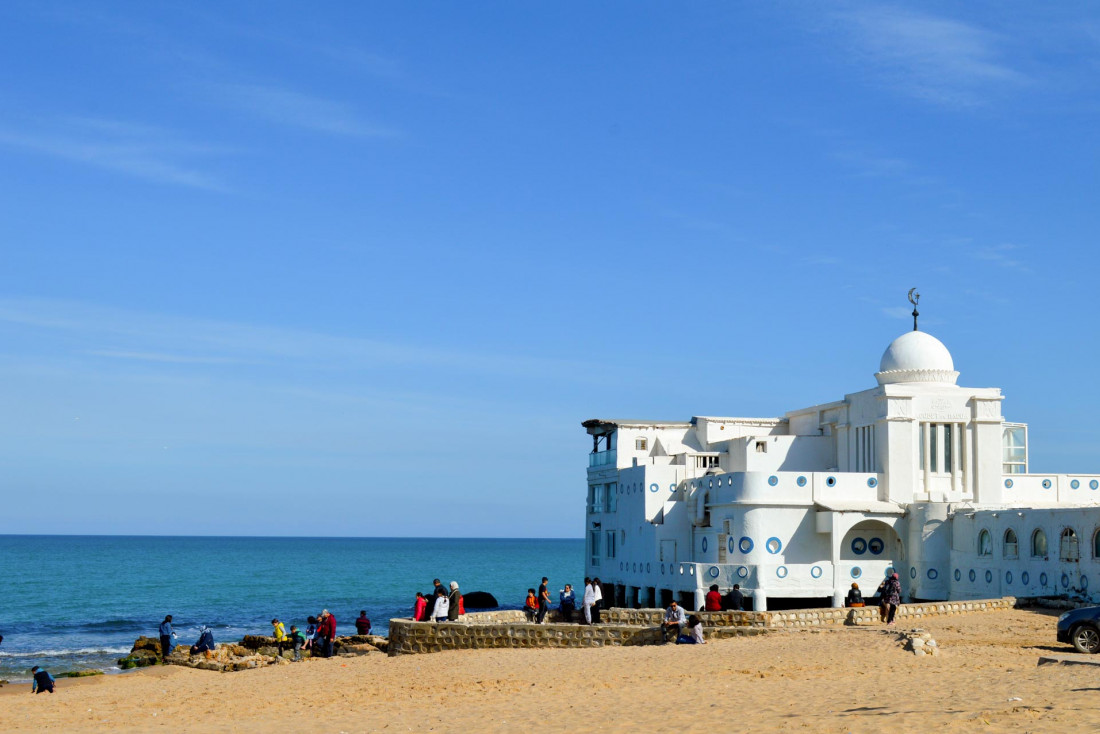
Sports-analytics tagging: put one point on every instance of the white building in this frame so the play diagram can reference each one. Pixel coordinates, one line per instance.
(916, 475)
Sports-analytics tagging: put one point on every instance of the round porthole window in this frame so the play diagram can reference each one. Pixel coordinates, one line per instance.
(988, 576)
(729, 545)
(635, 568)
(1065, 581)
(774, 545)
(1043, 578)
(655, 488)
(973, 575)
(704, 545)
(691, 570)
(681, 569)
(647, 568)
(1075, 484)
(1008, 484)
(1025, 578)
(872, 482)
(856, 572)
(745, 545)
(773, 480)
(859, 546)
(781, 572)
(801, 481)
(1008, 577)
(933, 574)
(742, 572)
(958, 575)
(1046, 484)
(912, 572)
(1084, 581)
(713, 572)
(815, 572)
(1094, 484)
(830, 481)
(876, 546)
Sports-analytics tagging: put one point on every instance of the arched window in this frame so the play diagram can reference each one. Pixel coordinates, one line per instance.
(985, 543)
(1038, 544)
(1011, 546)
(1067, 549)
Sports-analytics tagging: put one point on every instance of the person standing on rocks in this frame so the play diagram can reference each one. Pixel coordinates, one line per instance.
(454, 605)
(544, 600)
(588, 600)
(329, 634)
(597, 604)
(166, 635)
(279, 631)
(297, 639)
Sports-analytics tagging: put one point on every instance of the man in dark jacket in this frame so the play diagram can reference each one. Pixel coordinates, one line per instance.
(362, 624)
(737, 598)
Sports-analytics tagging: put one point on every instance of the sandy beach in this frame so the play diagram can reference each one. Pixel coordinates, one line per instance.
(841, 680)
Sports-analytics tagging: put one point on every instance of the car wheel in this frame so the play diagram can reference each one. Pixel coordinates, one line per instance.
(1086, 639)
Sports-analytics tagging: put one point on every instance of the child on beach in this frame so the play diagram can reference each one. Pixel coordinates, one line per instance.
(442, 605)
(280, 634)
(42, 682)
(297, 639)
(311, 632)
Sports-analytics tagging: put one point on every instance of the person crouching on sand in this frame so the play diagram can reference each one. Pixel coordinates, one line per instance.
(442, 605)
(42, 682)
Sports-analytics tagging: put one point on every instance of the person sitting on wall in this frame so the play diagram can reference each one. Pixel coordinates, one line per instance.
(531, 605)
(568, 602)
(693, 635)
(737, 598)
(674, 621)
(855, 597)
(713, 600)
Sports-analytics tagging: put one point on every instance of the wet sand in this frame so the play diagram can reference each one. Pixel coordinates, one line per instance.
(844, 680)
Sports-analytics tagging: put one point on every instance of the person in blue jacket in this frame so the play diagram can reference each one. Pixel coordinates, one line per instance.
(166, 636)
(568, 602)
(42, 682)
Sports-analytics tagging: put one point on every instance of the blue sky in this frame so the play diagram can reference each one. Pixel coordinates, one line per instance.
(363, 269)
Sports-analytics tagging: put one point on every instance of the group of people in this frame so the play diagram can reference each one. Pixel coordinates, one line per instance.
(889, 597)
(538, 604)
(714, 602)
(440, 605)
(319, 638)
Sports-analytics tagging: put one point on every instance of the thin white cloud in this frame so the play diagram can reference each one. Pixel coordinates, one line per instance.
(122, 334)
(937, 59)
(140, 151)
(1005, 255)
(295, 109)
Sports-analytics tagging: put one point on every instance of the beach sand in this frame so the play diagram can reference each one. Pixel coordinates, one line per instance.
(849, 679)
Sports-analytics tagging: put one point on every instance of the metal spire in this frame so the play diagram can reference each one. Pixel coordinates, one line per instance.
(913, 298)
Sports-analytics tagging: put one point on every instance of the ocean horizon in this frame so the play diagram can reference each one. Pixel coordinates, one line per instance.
(78, 602)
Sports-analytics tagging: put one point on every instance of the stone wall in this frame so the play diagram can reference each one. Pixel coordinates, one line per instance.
(812, 617)
(481, 630)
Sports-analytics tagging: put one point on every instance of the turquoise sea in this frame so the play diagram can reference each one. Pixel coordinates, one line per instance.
(79, 602)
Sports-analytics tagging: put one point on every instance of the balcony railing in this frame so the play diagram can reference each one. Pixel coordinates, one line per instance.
(601, 458)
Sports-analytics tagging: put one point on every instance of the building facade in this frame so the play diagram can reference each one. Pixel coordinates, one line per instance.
(916, 475)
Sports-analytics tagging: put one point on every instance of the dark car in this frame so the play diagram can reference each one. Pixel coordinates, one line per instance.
(1081, 628)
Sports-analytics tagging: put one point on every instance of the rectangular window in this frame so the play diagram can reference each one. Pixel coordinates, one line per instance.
(611, 544)
(1014, 442)
(640, 444)
(706, 462)
(947, 457)
(612, 494)
(594, 547)
(933, 440)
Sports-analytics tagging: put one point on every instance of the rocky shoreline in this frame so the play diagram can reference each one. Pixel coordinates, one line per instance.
(253, 651)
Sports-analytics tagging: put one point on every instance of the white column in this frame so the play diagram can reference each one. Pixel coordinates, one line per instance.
(759, 601)
(968, 474)
(926, 439)
(956, 459)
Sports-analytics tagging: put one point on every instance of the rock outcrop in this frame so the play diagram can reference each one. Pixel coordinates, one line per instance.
(480, 600)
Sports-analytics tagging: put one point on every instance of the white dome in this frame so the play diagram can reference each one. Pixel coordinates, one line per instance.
(916, 357)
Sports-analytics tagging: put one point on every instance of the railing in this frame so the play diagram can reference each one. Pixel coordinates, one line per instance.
(601, 458)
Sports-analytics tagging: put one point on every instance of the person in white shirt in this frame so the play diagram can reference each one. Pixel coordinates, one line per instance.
(693, 635)
(588, 600)
(439, 611)
(598, 603)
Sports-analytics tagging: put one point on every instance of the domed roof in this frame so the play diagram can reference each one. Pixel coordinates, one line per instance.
(916, 357)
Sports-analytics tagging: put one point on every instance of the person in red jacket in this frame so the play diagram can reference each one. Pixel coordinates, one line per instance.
(713, 599)
(362, 624)
(327, 628)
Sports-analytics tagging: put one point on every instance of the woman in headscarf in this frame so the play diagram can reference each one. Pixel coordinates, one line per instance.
(452, 603)
(891, 597)
(205, 643)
